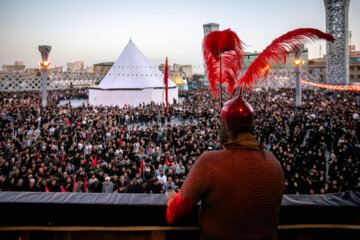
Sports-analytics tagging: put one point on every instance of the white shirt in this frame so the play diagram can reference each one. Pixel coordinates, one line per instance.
(162, 179)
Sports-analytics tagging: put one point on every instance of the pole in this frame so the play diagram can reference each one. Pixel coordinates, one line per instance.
(44, 50)
(44, 86)
(297, 80)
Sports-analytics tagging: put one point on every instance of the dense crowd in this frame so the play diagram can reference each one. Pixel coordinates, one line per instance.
(142, 150)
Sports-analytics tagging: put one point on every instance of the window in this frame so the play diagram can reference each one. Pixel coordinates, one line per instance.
(351, 68)
(351, 76)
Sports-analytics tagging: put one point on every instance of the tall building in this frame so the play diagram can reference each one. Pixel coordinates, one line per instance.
(209, 27)
(77, 66)
(337, 52)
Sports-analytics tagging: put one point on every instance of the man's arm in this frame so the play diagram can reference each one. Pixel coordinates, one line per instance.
(178, 207)
(194, 188)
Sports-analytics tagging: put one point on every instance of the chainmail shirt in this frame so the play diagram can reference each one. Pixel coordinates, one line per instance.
(241, 192)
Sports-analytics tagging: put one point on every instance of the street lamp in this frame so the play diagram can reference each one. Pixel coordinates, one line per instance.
(44, 50)
(297, 63)
(45, 64)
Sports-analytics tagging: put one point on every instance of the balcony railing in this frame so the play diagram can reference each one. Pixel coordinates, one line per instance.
(26, 215)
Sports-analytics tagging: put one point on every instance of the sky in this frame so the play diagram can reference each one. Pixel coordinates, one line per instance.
(96, 31)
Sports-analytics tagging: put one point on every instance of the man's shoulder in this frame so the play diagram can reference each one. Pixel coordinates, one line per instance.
(272, 161)
(212, 155)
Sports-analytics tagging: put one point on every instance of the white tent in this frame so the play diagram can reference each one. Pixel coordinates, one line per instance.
(132, 80)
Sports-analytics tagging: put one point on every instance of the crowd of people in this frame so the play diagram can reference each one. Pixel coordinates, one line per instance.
(140, 149)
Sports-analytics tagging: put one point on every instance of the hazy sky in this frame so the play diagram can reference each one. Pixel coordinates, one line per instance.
(98, 30)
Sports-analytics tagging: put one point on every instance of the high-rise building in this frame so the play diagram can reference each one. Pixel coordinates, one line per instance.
(209, 27)
(337, 52)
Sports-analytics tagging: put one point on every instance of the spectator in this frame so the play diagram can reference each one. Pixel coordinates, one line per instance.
(130, 188)
(62, 141)
(96, 187)
(107, 186)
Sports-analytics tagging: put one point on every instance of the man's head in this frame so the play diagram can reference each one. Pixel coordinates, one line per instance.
(107, 180)
(157, 182)
(138, 180)
(237, 116)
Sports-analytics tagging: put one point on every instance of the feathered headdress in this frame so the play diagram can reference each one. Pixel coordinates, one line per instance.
(223, 56)
(278, 51)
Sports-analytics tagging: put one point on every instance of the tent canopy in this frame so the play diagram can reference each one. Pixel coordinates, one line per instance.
(132, 70)
(177, 79)
(132, 80)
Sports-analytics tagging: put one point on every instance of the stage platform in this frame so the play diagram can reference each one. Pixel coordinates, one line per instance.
(26, 215)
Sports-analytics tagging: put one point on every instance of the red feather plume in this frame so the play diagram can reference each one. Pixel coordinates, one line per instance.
(225, 47)
(278, 51)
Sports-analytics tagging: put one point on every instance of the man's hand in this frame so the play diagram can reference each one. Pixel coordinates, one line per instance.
(171, 194)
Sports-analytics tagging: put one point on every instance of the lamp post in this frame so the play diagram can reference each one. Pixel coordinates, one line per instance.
(297, 63)
(44, 50)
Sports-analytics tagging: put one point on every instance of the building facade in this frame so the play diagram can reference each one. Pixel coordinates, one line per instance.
(319, 64)
(102, 67)
(185, 71)
(77, 66)
(17, 66)
(15, 81)
(250, 57)
(337, 52)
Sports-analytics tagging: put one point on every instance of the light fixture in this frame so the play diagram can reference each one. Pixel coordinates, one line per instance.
(45, 64)
(298, 62)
